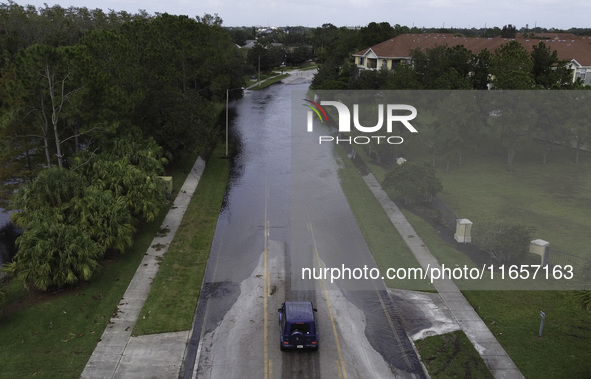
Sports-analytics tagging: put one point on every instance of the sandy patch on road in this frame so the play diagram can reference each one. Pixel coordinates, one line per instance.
(360, 358)
(235, 349)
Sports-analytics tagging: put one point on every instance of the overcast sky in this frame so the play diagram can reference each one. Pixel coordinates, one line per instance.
(313, 13)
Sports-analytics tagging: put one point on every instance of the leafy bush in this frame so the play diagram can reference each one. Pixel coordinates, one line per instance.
(53, 254)
(71, 218)
(414, 181)
(503, 242)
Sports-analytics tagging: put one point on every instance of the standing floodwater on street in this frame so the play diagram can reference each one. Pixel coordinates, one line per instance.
(284, 210)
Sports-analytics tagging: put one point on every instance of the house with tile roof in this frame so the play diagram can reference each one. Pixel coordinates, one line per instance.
(392, 52)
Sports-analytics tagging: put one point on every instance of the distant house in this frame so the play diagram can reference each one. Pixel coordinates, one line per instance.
(250, 43)
(392, 52)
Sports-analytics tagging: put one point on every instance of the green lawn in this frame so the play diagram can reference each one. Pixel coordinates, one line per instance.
(53, 335)
(563, 351)
(556, 200)
(514, 319)
(271, 80)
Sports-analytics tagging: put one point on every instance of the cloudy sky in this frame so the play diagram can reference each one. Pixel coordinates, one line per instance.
(312, 13)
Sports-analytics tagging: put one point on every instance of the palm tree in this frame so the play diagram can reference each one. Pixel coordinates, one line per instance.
(53, 254)
(104, 218)
(137, 188)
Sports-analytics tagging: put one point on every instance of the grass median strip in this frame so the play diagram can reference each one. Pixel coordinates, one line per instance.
(171, 303)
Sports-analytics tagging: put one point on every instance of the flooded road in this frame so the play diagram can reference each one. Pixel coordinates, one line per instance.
(284, 212)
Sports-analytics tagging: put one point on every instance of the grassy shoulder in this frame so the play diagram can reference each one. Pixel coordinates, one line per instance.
(452, 355)
(448, 355)
(387, 247)
(170, 306)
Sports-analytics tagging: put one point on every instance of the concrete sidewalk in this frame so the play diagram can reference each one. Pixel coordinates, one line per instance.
(118, 354)
(493, 354)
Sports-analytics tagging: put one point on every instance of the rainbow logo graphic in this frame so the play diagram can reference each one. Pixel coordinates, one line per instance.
(317, 109)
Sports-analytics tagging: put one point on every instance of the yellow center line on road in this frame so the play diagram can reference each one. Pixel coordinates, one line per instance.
(339, 370)
(340, 363)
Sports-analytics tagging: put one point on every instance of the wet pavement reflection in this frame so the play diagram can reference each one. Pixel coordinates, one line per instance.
(284, 192)
(258, 187)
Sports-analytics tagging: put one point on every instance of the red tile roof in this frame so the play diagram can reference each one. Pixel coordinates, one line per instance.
(567, 45)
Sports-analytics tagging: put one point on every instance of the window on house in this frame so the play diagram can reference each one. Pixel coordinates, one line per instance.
(360, 61)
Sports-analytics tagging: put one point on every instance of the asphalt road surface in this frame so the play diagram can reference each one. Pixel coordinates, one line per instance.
(284, 212)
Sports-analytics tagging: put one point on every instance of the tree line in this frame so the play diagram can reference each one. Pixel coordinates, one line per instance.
(509, 67)
(92, 107)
